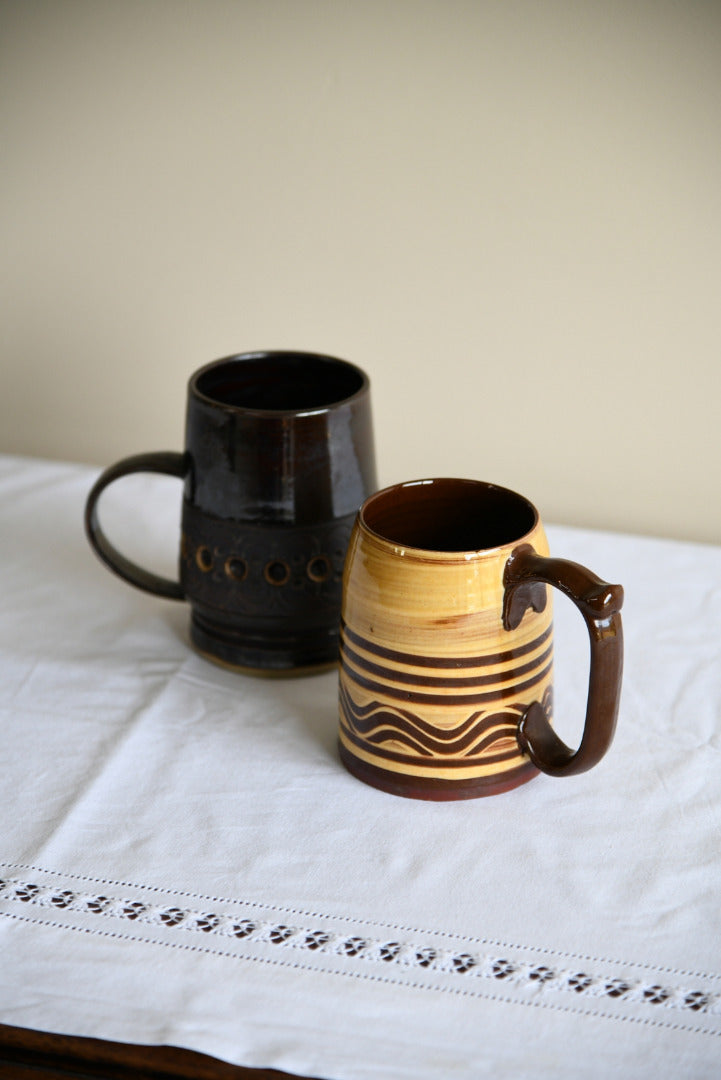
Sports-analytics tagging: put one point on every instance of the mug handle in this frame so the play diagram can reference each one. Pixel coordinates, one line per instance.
(167, 462)
(600, 604)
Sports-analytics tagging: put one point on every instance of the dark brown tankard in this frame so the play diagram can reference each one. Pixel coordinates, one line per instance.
(278, 458)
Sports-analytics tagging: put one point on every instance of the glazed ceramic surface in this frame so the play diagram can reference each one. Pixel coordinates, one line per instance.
(279, 456)
(445, 649)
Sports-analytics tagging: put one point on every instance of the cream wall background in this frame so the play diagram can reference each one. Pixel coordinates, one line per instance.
(508, 213)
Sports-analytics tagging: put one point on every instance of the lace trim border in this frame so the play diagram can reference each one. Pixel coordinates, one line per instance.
(543, 977)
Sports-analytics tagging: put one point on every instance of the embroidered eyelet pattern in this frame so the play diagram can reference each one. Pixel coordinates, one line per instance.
(539, 978)
(243, 928)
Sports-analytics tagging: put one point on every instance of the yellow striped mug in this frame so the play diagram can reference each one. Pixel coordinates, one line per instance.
(446, 663)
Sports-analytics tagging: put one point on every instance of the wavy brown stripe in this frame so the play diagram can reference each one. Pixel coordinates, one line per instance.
(473, 749)
(394, 675)
(444, 661)
(417, 759)
(365, 718)
(350, 714)
(485, 733)
(454, 700)
(378, 722)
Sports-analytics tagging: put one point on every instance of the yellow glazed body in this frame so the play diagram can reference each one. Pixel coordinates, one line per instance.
(432, 687)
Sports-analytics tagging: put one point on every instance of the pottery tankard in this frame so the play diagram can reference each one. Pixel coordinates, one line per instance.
(446, 666)
(278, 458)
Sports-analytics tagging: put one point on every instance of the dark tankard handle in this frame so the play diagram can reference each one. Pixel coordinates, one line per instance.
(172, 464)
(600, 604)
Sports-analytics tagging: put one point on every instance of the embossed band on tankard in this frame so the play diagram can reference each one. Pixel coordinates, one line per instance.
(278, 457)
(445, 685)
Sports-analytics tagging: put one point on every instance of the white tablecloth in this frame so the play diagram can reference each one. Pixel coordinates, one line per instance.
(184, 860)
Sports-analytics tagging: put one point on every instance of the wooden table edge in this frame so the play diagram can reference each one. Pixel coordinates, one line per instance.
(47, 1054)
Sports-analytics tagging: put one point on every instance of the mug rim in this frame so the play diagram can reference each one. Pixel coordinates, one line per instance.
(429, 554)
(260, 354)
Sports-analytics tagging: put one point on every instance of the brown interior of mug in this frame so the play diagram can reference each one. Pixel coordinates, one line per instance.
(449, 515)
(279, 381)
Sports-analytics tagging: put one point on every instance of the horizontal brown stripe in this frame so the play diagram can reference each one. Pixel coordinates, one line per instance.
(409, 677)
(444, 661)
(450, 700)
(438, 788)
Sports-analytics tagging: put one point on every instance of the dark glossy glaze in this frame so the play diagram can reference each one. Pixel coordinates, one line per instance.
(257, 457)
(600, 605)
(278, 458)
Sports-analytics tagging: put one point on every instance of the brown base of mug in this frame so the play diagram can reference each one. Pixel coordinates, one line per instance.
(268, 673)
(431, 789)
(273, 655)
